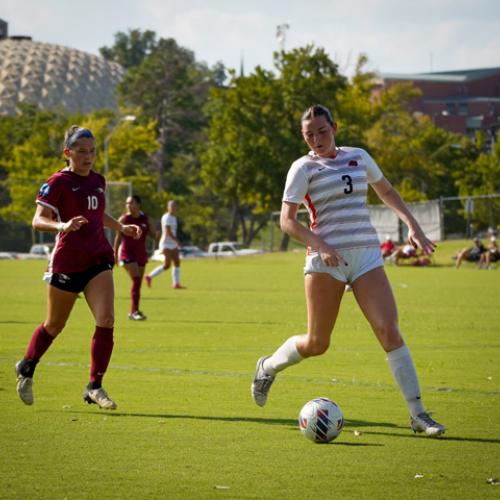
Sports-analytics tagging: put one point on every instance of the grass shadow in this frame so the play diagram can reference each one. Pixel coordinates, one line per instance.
(13, 322)
(256, 420)
(440, 438)
(293, 423)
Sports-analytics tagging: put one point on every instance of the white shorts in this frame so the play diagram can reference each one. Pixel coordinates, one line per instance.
(168, 246)
(359, 261)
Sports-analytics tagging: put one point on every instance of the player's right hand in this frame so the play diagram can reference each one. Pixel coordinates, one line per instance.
(74, 224)
(330, 256)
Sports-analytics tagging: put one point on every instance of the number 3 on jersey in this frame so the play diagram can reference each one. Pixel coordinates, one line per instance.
(92, 202)
(348, 180)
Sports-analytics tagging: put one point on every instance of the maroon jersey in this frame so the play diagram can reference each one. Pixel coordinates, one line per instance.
(68, 195)
(133, 250)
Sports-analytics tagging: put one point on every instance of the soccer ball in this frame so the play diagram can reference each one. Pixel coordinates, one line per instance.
(321, 420)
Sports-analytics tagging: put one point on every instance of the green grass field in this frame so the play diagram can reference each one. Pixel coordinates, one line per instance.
(186, 426)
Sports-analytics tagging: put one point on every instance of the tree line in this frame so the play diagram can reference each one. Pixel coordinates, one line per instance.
(221, 141)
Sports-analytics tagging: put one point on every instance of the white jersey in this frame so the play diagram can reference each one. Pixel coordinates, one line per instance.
(334, 191)
(168, 220)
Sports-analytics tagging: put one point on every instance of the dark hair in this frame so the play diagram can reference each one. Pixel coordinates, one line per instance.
(137, 198)
(317, 110)
(74, 133)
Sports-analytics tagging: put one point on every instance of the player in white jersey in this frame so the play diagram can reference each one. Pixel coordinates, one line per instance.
(343, 248)
(169, 245)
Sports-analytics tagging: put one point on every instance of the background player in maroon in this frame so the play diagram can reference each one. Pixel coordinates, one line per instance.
(72, 203)
(131, 252)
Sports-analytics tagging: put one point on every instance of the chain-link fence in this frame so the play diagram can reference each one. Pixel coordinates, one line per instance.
(443, 219)
(466, 217)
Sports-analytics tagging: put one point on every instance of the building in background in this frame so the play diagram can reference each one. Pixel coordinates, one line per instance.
(53, 76)
(459, 101)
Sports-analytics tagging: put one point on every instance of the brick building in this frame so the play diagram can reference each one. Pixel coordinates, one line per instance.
(459, 101)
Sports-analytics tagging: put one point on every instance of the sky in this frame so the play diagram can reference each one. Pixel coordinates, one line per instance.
(398, 36)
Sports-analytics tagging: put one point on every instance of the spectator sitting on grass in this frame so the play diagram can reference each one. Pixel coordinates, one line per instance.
(471, 254)
(490, 255)
(404, 253)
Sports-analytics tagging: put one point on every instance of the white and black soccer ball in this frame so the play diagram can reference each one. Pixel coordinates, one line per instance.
(321, 420)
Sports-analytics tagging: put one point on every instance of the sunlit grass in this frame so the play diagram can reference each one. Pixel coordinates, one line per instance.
(186, 426)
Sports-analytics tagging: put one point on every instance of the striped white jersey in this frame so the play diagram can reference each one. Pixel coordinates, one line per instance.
(334, 191)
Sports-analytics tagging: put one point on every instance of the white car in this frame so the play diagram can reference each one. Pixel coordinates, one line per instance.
(187, 252)
(230, 249)
(40, 251)
(8, 255)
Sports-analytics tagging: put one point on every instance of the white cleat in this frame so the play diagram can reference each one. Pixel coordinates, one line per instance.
(100, 398)
(24, 386)
(424, 423)
(136, 316)
(261, 383)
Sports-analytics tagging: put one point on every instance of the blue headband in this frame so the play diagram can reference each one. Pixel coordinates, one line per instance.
(81, 132)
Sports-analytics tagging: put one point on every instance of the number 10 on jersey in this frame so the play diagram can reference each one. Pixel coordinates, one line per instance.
(92, 202)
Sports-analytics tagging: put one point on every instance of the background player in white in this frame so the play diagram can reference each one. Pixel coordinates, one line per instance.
(343, 248)
(169, 245)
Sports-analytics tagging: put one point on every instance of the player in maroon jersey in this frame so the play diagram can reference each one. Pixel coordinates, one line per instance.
(131, 252)
(72, 203)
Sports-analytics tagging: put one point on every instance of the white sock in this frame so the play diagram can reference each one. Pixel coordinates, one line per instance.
(406, 376)
(156, 271)
(176, 274)
(286, 355)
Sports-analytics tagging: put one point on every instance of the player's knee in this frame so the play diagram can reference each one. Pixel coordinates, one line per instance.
(106, 320)
(54, 328)
(388, 335)
(316, 346)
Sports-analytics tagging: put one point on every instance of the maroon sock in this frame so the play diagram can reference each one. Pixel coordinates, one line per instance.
(100, 352)
(40, 342)
(135, 293)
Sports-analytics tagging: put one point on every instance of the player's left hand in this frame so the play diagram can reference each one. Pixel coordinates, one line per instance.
(417, 239)
(131, 230)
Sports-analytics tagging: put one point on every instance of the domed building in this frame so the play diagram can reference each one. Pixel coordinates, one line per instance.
(54, 77)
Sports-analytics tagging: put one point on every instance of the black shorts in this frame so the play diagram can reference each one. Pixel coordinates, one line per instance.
(76, 282)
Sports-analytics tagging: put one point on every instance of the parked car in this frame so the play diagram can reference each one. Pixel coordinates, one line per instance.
(191, 251)
(230, 249)
(8, 255)
(187, 252)
(38, 251)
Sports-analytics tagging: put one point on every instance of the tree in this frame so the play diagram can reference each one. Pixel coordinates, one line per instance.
(171, 88)
(356, 111)
(481, 176)
(37, 153)
(416, 156)
(254, 133)
(130, 49)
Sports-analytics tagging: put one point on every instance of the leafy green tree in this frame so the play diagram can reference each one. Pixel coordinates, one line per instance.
(254, 133)
(171, 88)
(38, 153)
(481, 176)
(415, 155)
(356, 111)
(130, 49)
